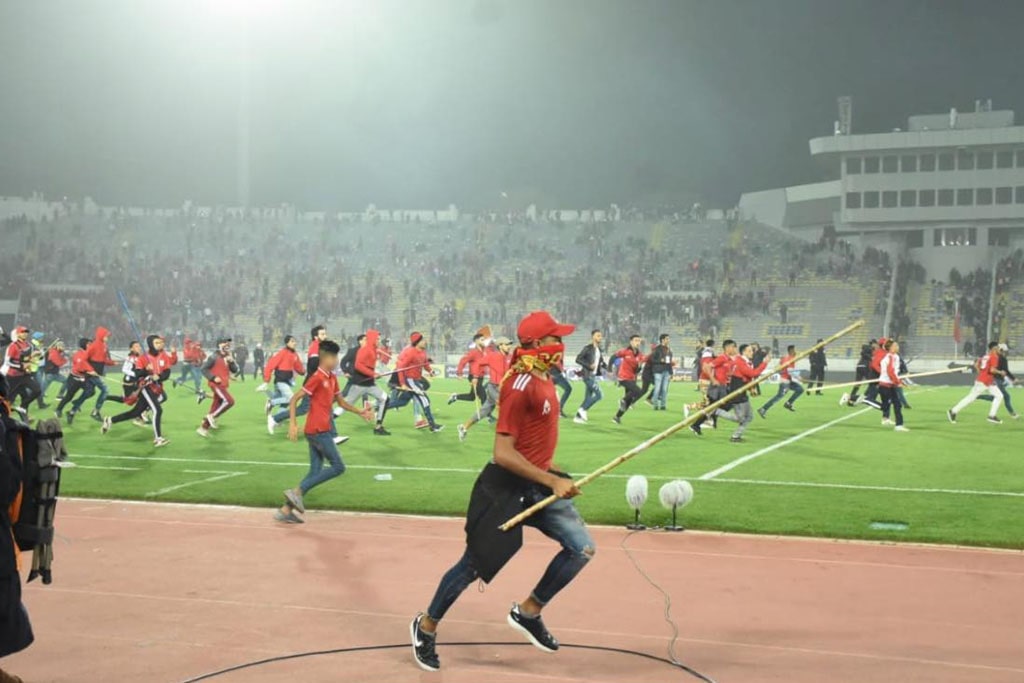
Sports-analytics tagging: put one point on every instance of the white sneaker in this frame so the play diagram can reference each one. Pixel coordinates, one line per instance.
(844, 399)
(262, 387)
(582, 414)
(160, 441)
(686, 411)
(213, 423)
(579, 420)
(203, 432)
(271, 425)
(338, 440)
(106, 425)
(887, 422)
(901, 428)
(462, 432)
(338, 411)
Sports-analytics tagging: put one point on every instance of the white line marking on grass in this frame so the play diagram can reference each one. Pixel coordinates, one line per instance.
(100, 467)
(869, 487)
(708, 476)
(207, 480)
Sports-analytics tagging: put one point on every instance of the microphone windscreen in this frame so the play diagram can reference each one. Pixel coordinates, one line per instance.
(685, 492)
(636, 491)
(670, 495)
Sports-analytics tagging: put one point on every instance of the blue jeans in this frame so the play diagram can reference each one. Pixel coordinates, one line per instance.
(280, 394)
(100, 386)
(593, 394)
(558, 377)
(560, 522)
(189, 371)
(321, 450)
(49, 379)
(300, 410)
(661, 380)
(783, 388)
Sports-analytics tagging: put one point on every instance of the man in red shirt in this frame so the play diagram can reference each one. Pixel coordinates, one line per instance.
(520, 473)
(20, 380)
(144, 393)
(408, 384)
(363, 382)
(472, 360)
(98, 355)
(496, 362)
(988, 369)
(321, 390)
(788, 381)
(630, 362)
(194, 356)
(279, 373)
(81, 371)
(56, 360)
(742, 372)
(217, 369)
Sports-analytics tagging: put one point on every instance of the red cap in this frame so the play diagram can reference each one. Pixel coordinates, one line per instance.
(415, 338)
(19, 329)
(540, 324)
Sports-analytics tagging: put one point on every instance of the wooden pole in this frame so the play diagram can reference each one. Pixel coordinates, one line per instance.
(862, 382)
(707, 411)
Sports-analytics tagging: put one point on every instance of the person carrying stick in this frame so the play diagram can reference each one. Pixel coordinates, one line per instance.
(520, 473)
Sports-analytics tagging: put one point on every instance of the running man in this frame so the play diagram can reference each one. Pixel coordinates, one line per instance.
(888, 386)
(194, 356)
(56, 361)
(364, 381)
(21, 379)
(496, 362)
(471, 360)
(521, 472)
(985, 382)
(1004, 381)
(321, 389)
(703, 362)
(630, 362)
(217, 369)
(408, 383)
(279, 375)
(143, 391)
(742, 372)
(788, 381)
(81, 370)
(592, 365)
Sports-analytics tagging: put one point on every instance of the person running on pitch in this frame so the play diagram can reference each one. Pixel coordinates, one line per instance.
(321, 389)
(279, 375)
(1004, 381)
(863, 372)
(742, 372)
(217, 369)
(592, 366)
(788, 381)
(716, 369)
(143, 391)
(408, 383)
(471, 360)
(985, 382)
(520, 473)
(81, 371)
(630, 362)
(888, 385)
(496, 362)
(364, 381)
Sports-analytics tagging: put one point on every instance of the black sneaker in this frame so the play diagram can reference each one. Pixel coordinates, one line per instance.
(71, 417)
(789, 407)
(951, 415)
(423, 646)
(714, 421)
(436, 428)
(994, 420)
(735, 439)
(380, 431)
(762, 413)
(96, 416)
(695, 428)
(533, 629)
(617, 420)
(200, 397)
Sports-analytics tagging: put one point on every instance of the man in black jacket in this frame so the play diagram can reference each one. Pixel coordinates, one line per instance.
(592, 365)
(863, 372)
(818, 365)
(661, 363)
(259, 359)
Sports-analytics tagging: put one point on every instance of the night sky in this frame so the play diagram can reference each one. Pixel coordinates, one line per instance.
(423, 103)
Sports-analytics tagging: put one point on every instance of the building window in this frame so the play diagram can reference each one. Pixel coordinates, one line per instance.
(1020, 158)
(1004, 159)
(945, 197)
(871, 164)
(870, 200)
(926, 198)
(955, 237)
(946, 161)
(915, 239)
(927, 162)
(965, 161)
(983, 196)
(908, 164)
(985, 160)
(853, 200)
(1020, 195)
(908, 198)
(852, 165)
(964, 197)
(890, 164)
(1004, 195)
(890, 199)
(998, 237)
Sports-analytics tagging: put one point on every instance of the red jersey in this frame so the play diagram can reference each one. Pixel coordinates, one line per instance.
(16, 356)
(80, 366)
(629, 367)
(193, 352)
(787, 362)
(889, 375)
(985, 365)
(283, 365)
(216, 367)
(416, 361)
(55, 360)
(473, 359)
(528, 412)
(720, 366)
(366, 359)
(322, 389)
(876, 360)
(97, 351)
(162, 363)
(496, 363)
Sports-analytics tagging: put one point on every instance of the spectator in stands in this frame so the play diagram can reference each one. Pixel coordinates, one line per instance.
(818, 365)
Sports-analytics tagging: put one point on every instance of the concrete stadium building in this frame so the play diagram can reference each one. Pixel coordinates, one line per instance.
(948, 191)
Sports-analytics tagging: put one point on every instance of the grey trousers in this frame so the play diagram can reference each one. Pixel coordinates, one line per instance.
(744, 414)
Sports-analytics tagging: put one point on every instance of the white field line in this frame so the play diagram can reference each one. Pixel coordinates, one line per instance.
(869, 487)
(207, 480)
(99, 467)
(708, 476)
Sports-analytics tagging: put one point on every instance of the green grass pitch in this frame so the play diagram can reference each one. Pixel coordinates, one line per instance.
(960, 483)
